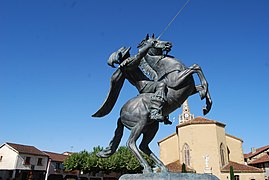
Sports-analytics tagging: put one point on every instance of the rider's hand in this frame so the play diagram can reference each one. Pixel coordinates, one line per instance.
(153, 42)
(125, 62)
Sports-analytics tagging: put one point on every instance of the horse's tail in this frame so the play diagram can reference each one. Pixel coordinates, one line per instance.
(114, 143)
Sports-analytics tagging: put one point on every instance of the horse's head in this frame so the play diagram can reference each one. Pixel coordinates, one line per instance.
(157, 46)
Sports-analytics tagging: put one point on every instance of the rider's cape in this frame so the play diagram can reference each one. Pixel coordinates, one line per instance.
(116, 83)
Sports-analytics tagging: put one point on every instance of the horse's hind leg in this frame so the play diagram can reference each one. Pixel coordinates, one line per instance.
(147, 138)
(131, 144)
(114, 143)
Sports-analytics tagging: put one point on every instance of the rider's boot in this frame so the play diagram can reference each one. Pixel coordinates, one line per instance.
(157, 101)
(156, 108)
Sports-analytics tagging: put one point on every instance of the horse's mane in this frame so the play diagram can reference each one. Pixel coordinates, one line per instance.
(148, 71)
(144, 66)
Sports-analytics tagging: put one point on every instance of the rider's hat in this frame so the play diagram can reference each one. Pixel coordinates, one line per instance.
(123, 52)
(118, 56)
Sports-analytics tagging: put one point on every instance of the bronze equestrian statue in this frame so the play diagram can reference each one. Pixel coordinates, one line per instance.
(135, 115)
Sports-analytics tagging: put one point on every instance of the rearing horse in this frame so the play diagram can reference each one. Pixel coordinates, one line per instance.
(134, 114)
(176, 76)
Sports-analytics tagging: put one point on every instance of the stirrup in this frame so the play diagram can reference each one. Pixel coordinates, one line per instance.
(166, 121)
(155, 115)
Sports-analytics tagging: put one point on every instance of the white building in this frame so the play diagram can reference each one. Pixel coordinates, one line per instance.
(22, 162)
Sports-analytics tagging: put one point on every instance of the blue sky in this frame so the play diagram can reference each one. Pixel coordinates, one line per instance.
(54, 75)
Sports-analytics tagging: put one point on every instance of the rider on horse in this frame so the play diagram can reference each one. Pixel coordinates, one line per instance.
(175, 83)
(129, 67)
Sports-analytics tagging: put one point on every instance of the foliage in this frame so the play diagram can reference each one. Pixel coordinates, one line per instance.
(92, 163)
(76, 161)
(123, 161)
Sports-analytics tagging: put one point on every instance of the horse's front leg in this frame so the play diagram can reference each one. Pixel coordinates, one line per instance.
(203, 89)
(208, 104)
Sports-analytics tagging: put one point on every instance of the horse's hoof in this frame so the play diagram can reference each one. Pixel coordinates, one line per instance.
(205, 111)
(147, 171)
(164, 170)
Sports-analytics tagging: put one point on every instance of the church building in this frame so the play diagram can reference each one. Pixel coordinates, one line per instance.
(204, 147)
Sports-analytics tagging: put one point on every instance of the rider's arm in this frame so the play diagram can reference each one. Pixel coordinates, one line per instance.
(130, 63)
(133, 62)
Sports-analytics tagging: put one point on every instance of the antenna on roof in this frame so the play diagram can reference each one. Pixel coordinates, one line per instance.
(71, 148)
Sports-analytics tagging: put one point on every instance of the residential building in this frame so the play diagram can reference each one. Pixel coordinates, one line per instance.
(55, 165)
(204, 147)
(22, 162)
(259, 157)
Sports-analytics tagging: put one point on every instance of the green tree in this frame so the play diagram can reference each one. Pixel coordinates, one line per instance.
(123, 161)
(76, 161)
(232, 173)
(128, 163)
(93, 162)
(183, 168)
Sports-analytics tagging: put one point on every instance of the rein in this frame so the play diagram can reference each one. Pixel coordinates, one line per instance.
(173, 19)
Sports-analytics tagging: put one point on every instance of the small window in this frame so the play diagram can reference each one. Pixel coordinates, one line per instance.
(57, 166)
(27, 160)
(39, 162)
(1, 157)
(236, 177)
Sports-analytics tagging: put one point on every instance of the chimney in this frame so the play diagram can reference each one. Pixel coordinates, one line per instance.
(253, 150)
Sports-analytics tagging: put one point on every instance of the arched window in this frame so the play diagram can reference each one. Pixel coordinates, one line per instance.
(228, 151)
(222, 154)
(186, 154)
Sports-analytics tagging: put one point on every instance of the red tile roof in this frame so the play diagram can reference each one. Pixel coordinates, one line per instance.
(201, 120)
(262, 159)
(241, 168)
(56, 157)
(174, 134)
(231, 136)
(258, 150)
(177, 167)
(25, 149)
